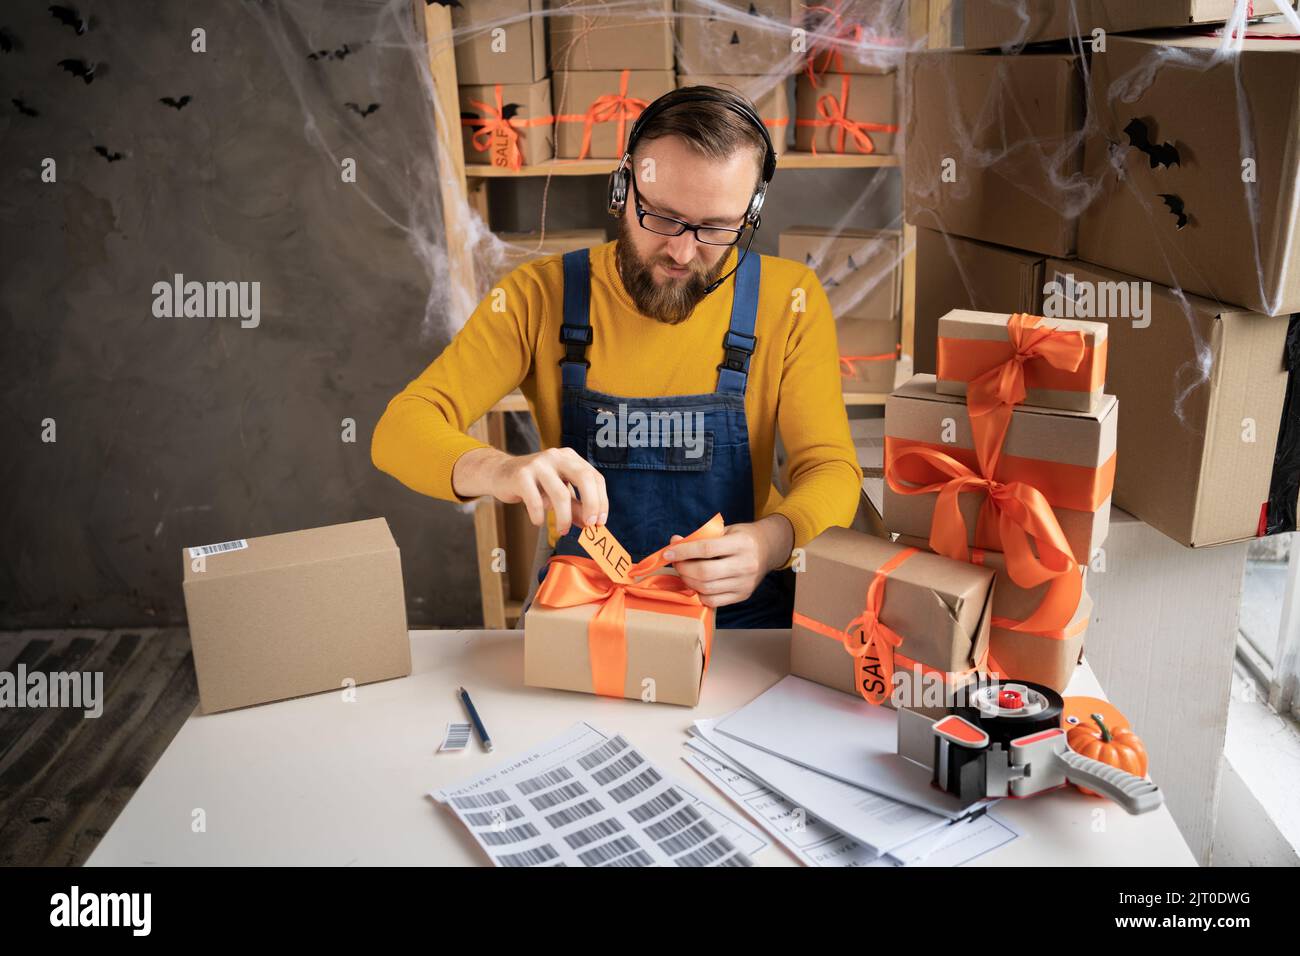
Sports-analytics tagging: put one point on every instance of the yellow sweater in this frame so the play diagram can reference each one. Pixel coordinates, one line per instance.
(794, 381)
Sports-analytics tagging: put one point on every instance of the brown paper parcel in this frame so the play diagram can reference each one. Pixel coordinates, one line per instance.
(940, 607)
(610, 35)
(853, 105)
(522, 102)
(751, 37)
(574, 92)
(996, 23)
(512, 50)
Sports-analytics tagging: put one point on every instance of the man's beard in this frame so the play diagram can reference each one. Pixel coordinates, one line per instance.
(671, 302)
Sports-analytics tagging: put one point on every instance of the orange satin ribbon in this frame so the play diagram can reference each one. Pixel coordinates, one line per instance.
(1013, 514)
(495, 124)
(848, 366)
(834, 113)
(828, 45)
(572, 580)
(1027, 625)
(608, 107)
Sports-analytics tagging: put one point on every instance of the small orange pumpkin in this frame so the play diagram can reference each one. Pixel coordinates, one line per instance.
(1119, 747)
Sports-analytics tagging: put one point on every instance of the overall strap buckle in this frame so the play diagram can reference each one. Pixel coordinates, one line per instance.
(576, 339)
(737, 347)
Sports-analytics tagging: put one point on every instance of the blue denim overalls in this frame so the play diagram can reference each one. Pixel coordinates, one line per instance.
(655, 492)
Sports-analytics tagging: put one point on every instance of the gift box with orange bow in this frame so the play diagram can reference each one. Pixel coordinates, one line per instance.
(845, 113)
(604, 625)
(507, 124)
(1022, 359)
(595, 109)
(867, 610)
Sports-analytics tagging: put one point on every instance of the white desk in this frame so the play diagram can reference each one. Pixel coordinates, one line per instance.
(317, 780)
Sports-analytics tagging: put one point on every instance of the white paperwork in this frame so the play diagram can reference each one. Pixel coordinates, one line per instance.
(840, 736)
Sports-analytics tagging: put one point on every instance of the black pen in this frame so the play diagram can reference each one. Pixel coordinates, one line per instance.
(473, 715)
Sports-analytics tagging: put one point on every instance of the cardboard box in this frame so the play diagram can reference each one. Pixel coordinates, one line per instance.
(868, 354)
(666, 653)
(525, 106)
(868, 436)
(298, 613)
(574, 93)
(956, 273)
(750, 38)
(1069, 456)
(521, 247)
(860, 269)
(499, 41)
(1042, 659)
(1013, 23)
(1177, 211)
(868, 107)
(852, 36)
(971, 343)
(1203, 387)
(608, 35)
(939, 607)
(767, 93)
(1020, 116)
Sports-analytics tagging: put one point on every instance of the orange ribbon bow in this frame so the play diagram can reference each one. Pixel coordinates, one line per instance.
(571, 580)
(494, 126)
(991, 395)
(834, 112)
(1019, 512)
(608, 107)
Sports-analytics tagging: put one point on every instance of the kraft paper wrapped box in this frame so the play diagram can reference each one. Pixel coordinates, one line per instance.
(852, 36)
(1047, 657)
(973, 343)
(290, 614)
(939, 608)
(507, 125)
(767, 93)
(846, 113)
(996, 23)
(732, 37)
(521, 247)
(1068, 456)
(595, 110)
(956, 273)
(516, 54)
(610, 35)
(1198, 166)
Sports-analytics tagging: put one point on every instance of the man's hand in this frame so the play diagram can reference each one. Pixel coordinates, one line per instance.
(726, 570)
(544, 481)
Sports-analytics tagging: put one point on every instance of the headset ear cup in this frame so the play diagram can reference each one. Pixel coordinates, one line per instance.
(618, 187)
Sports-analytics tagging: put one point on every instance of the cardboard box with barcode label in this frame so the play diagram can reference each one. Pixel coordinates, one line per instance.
(298, 613)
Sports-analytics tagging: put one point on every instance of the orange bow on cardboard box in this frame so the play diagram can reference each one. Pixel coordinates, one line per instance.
(605, 625)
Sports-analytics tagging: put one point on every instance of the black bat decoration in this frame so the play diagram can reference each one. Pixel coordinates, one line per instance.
(111, 157)
(1160, 154)
(363, 113)
(69, 17)
(338, 54)
(175, 103)
(8, 42)
(24, 108)
(80, 68)
(1175, 204)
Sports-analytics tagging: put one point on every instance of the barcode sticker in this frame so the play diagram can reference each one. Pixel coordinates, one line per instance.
(456, 737)
(206, 550)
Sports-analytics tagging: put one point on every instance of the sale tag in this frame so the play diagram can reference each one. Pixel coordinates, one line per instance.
(612, 558)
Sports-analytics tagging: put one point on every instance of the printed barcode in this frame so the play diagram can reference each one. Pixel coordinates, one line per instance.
(597, 831)
(602, 753)
(655, 806)
(494, 816)
(534, 857)
(562, 818)
(455, 737)
(605, 775)
(700, 833)
(639, 858)
(553, 797)
(638, 784)
(545, 780)
(476, 801)
(709, 853)
(736, 859)
(607, 851)
(206, 549)
(513, 835)
(683, 818)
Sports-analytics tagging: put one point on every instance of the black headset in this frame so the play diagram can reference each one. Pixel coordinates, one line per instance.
(620, 178)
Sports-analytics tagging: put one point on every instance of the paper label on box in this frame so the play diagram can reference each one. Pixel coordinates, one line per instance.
(599, 542)
(205, 550)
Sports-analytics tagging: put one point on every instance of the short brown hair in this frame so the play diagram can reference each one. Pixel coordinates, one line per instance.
(710, 126)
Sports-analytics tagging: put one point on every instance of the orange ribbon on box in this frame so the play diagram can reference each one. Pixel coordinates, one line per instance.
(606, 108)
(995, 387)
(571, 581)
(834, 112)
(495, 127)
(828, 44)
(1013, 513)
(1024, 627)
(848, 363)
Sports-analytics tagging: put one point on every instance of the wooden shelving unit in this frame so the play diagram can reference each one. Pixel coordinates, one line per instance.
(464, 187)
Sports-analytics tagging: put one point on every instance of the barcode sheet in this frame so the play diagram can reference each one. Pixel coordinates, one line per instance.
(586, 798)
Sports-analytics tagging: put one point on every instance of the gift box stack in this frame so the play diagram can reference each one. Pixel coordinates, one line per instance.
(504, 85)
(1146, 206)
(860, 271)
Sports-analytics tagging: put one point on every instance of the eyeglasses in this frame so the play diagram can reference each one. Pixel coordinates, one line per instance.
(668, 226)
